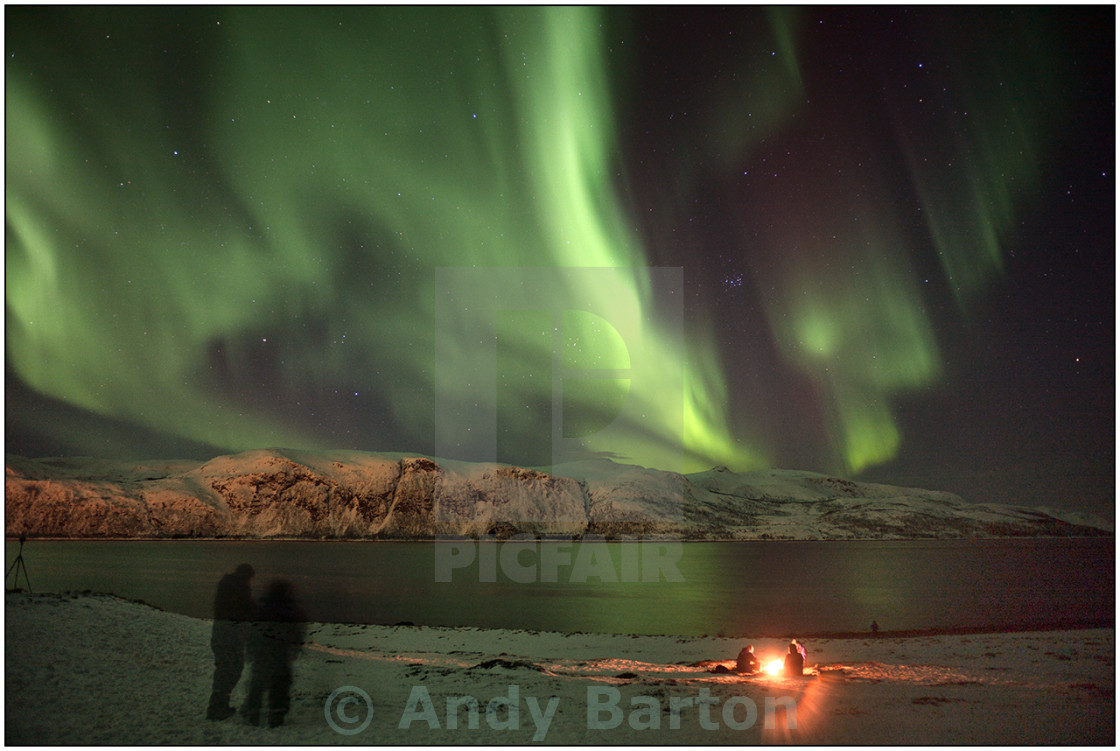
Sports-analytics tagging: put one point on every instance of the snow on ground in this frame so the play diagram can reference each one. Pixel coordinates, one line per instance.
(95, 669)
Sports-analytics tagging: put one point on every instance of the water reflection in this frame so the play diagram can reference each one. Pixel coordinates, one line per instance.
(750, 589)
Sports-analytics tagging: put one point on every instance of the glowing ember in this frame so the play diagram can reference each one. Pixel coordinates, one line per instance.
(774, 667)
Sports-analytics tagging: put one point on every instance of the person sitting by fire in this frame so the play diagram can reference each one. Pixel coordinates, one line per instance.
(747, 662)
(794, 666)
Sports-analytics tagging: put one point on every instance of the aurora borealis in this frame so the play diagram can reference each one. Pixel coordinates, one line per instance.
(894, 227)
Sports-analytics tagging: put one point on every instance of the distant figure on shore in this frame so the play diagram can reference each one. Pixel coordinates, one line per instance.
(276, 640)
(800, 649)
(794, 666)
(233, 610)
(874, 628)
(747, 662)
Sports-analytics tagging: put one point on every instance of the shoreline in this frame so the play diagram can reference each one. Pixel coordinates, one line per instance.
(1071, 625)
(1052, 626)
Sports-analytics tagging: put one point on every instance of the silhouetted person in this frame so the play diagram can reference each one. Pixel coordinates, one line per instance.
(794, 666)
(747, 662)
(233, 610)
(275, 643)
(875, 628)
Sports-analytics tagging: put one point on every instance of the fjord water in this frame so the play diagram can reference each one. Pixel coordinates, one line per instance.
(731, 588)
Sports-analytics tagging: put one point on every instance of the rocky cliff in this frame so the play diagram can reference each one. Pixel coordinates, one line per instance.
(278, 493)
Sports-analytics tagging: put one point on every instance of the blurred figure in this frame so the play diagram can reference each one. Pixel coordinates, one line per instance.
(747, 662)
(275, 643)
(874, 628)
(800, 649)
(794, 666)
(233, 610)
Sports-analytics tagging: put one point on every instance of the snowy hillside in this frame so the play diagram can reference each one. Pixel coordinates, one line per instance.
(349, 494)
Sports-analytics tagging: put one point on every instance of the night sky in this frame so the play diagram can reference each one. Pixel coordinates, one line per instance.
(893, 230)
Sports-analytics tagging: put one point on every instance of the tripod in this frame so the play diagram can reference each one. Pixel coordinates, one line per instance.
(18, 565)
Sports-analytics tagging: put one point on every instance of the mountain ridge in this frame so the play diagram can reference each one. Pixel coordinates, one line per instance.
(269, 493)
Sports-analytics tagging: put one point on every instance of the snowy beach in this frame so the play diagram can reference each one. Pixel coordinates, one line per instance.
(95, 669)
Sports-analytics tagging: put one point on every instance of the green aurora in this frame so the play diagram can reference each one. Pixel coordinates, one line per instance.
(224, 224)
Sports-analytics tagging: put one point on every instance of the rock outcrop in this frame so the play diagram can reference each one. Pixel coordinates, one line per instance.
(278, 493)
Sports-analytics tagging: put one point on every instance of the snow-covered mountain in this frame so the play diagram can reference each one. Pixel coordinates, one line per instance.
(350, 494)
